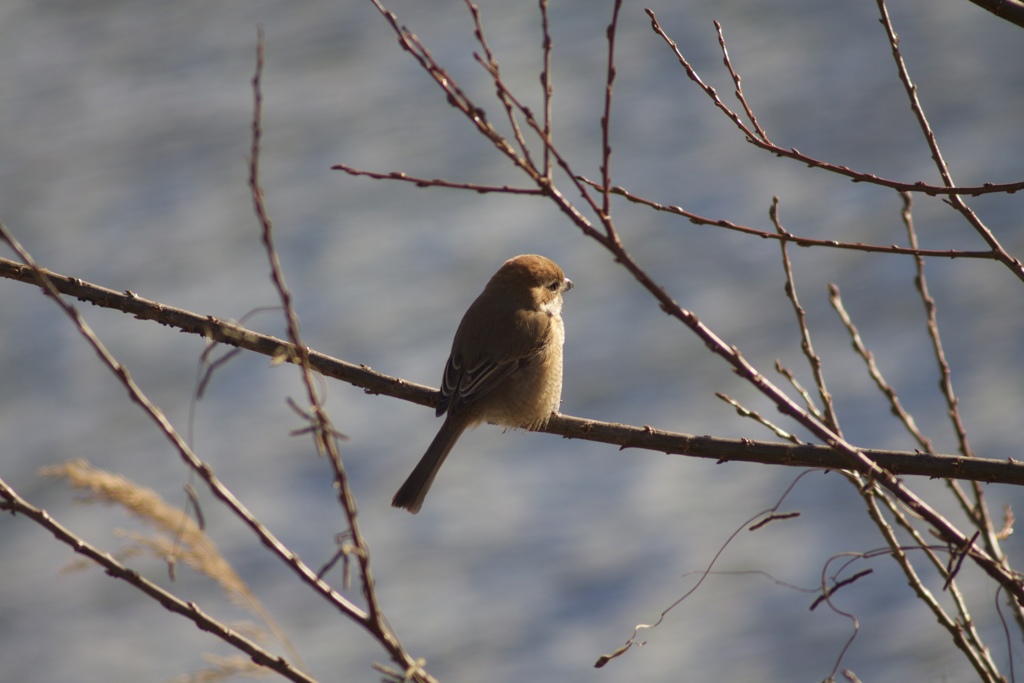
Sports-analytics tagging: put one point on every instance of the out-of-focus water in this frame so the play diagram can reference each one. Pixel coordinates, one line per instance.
(124, 135)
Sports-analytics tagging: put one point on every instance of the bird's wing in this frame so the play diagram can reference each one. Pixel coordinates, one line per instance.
(463, 385)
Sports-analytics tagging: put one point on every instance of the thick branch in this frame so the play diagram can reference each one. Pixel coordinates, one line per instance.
(898, 462)
(1011, 10)
(806, 455)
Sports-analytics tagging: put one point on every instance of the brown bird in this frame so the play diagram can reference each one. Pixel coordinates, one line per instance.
(505, 366)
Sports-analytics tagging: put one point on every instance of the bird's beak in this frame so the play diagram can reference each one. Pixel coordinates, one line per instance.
(567, 285)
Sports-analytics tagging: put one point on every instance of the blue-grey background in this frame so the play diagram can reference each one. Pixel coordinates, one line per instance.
(124, 132)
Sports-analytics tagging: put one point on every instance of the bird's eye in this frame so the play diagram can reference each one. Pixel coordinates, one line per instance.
(555, 286)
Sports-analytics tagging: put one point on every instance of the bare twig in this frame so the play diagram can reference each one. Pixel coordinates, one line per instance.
(800, 389)
(606, 117)
(547, 84)
(760, 419)
(962, 631)
(830, 417)
(325, 436)
(873, 371)
(955, 199)
(491, 64)
(978, 512)
(737, 81)
(800, 241)
(964, 638)
(945, 382)
(437, 182)
(976, 653)
(827, 591)
(458, 99)
(753, 523)
(855, 176)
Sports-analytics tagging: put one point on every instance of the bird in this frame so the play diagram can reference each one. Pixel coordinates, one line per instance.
(505, 365)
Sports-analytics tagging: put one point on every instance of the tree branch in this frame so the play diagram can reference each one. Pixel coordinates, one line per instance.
(783, 236)
(1007, 471)
(759, 139)
(1011, 10)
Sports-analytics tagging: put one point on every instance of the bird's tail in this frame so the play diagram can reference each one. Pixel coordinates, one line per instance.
(410, 496)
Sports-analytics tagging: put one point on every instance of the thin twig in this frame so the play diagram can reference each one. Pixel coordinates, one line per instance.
(546, 83)
(325, 435)
(458, 99)
(962, 630)
(760, 419)
(437, 182)
(966, 639)
(789, 237)
(606, 117)
(827, 591)
(835, 298)
(737, 81)
(754, 522)
(868, 492)
(800, 389)
(978, 512)
(955, 199)
(490, 63)
(945, 383)
(830, 417)
(791, 153)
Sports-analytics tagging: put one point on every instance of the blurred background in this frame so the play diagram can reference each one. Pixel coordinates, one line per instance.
(124, 138)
